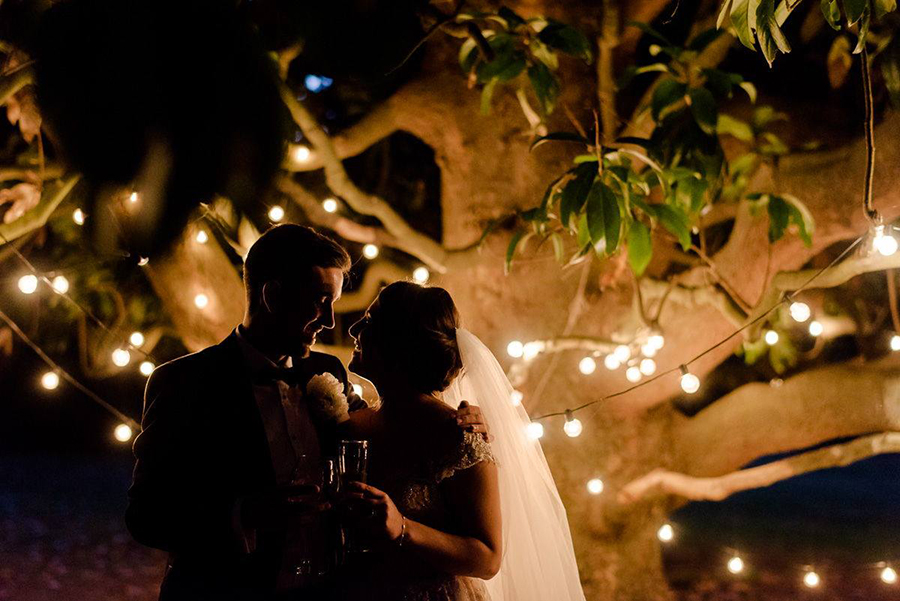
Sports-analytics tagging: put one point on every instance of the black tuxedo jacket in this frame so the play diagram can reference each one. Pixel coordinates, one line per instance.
(202, 447)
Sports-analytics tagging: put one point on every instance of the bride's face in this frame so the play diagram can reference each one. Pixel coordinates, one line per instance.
(361, 362)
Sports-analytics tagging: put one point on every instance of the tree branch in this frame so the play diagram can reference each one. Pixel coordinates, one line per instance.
(661, 481)
(377, 275)
(37, 216)
(606, 85)
(15, 81)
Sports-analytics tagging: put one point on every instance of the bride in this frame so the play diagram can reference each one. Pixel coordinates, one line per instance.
(458, 519)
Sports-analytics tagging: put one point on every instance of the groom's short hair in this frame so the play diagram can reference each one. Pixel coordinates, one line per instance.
(289, 251)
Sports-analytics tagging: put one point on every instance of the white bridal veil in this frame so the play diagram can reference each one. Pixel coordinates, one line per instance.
(538, 559)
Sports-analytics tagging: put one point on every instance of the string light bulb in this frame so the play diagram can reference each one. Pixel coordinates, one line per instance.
(50, 380)
(622, 353)
(587, 366)
(531, 349)
(648, 350)
(595, 486)
(771, 337)
(421, 274)
(611, 362)
(143, 261)
(60, 284)
(534, 430)
(895, 342)
(300, 153)
(276, 213)
(28, 284)
(133, 197)
(515, 349)
(516, 397)
(736, 565)
(689, 382)
(201, 301)
(633, 374)
(136, 339)
(800, 311)
(123, 433)
(816, 328)
(121, 357)
(573, 426)
(648, 367)
(657, 341)
(811, 579)
(666, 533)
(78, 216)
(884, 243)
(370, 251)
(146, 367)
(889, 575)
(202, 237)
(330, 205)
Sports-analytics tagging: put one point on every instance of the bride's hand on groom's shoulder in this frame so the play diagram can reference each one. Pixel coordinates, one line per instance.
(470, 419)
(386, 521)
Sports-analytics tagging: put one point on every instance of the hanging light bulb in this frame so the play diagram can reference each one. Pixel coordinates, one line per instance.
(330, 205)
(771, 337)
(811, 579)
(276, 213)
(357, 390)
(121, 357)
(689, 382)
(136, 339)
(889, 575)
(534, 430)
(595, 486)
(28, 283)
(587, 366)
(883, 242)
(515, 349)
(622, 353)
(60, 284)
(202, 237)
(666, 533)
(123, 433)
(133, 197)
(815, 328)
(648, 350)
(895, 342)
(633, 374)
(611, 362)
(146, 367)
(370, 251)
(421, 274)
(300, 153)
(50, 380)
(143, 261)
(531, 349)
(516, 397)
(78, 216)
(573, 425)
(735, 565)
(201, 301)
(657, 341)
(648, 367)
(800, 311)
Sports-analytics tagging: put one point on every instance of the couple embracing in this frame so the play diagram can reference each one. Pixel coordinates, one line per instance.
(449, 515)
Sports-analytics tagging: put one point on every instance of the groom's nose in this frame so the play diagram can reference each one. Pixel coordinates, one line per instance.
(326, 316)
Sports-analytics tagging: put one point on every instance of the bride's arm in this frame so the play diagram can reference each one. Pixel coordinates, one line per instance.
(476, 550)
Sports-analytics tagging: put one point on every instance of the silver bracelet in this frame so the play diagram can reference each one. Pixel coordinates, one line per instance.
(402, 532)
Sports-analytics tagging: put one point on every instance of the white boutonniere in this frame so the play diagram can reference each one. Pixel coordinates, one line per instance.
(328, 402)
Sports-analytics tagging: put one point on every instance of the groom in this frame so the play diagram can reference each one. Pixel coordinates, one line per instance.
(224, 429)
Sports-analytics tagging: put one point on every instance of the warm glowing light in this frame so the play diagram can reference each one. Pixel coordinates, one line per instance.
(895, 342)
(516, 397)
(815, 328)
(136, 339)
(657, 341)
(300, 153)
(532, 349)
(330, 205)
(587, 366)
(534, 430)
(515, 349)
(884, 243)
(735, 565)
(611, 362)
(121, 357)
(133, 197)
(889, 575)
(648, 350)
(633, 374)
(811, 579)
(622, 353)
(276, 213)
(800, 311)
(146, 367)
(202, 237)
(421, 274)
(60, 284)
(370, 251)
(50, 380)
(357, 390)
(143, 261)
(122, 433)
(573, 427)
(689, 382)
(595, 486)
(28, 284)
(201, 301)
(771, 337)
(78, 216)
(648, 367)
(666, 533)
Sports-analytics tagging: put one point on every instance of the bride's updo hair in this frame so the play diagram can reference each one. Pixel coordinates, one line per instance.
(415, 327)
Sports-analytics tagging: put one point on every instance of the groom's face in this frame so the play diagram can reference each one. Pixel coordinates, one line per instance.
(308, 308)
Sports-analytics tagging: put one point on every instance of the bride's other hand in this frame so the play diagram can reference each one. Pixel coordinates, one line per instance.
(470, 419)
(386, 521)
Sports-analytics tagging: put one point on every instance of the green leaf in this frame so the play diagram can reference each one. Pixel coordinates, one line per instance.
(545, 86)
(726, 125)
(558, 247)
(724, 18)
(640, 247)
(612, 219)
(517, 237)
(883, 7)
(468, 54)
(575, 192)
(584, 233)
(541, 52)
(511, 17)
(676, 221)
(832, 13)
(486, 93)
(784, 210)
(863, 30)
(854, 10)
(771, 38)
(704, 109)
(504, 67)
(566, 39)
(666, 93)
(560, 136)
(603, 218)
(750, 89)
(743, 19)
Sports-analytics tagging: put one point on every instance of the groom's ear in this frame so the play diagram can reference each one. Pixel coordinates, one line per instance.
(271, 296)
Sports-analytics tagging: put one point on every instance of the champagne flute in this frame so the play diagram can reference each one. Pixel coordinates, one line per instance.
(353, 463)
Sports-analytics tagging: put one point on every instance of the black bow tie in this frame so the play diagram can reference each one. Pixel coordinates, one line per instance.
(269, 375)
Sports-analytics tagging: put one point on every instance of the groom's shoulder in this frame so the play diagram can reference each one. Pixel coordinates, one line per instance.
(195, 363)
